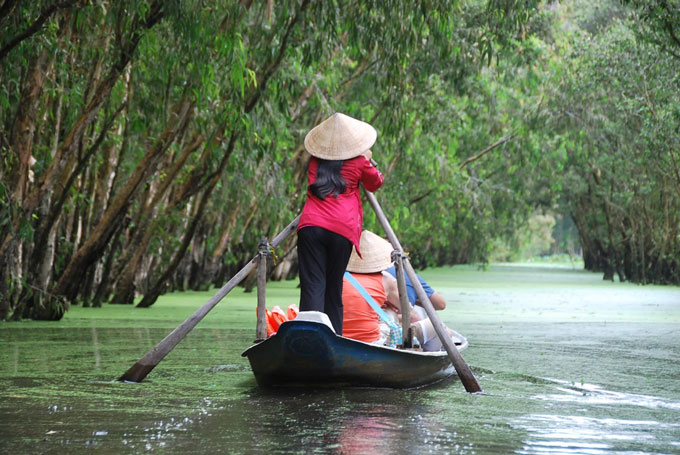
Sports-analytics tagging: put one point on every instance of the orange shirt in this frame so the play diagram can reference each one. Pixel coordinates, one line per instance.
(360, 320)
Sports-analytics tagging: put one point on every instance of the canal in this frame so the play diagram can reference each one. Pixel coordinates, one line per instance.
(569, 364)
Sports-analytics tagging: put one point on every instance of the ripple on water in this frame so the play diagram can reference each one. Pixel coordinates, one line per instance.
(556, 435)
(601, 422)
(593, 395)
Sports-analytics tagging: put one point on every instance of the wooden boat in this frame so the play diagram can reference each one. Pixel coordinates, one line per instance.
(309, 353)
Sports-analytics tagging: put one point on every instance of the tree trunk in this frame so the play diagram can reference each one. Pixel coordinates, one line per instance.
(152, 295)
(21, 140)
(30, 200)
(146, 226)
(95, 244)
(66, 153)
(125, 285)
(104, 285)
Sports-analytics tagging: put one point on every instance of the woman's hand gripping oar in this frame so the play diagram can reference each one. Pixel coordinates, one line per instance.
(464, 373)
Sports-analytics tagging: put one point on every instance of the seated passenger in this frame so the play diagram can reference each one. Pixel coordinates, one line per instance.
(422, 326)
(435, 297)
(360, 321)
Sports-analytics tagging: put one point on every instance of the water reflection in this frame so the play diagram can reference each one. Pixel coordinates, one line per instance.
(368, 434)
(15, 362)
(334, 421)
(95, 348)
(326, 421)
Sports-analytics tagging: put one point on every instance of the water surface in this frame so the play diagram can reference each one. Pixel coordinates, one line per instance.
(569, 365)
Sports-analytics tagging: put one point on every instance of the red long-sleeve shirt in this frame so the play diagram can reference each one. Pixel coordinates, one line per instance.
(343, 214)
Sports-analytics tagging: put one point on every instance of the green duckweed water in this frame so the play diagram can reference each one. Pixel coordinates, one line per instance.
(569, 365)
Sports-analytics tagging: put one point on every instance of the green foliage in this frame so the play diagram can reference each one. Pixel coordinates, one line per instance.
(613, 111)
(212, 100)
(532, 240)
(659, 23)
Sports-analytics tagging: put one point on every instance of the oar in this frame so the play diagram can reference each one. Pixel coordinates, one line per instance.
(467, 378)
(152, 358)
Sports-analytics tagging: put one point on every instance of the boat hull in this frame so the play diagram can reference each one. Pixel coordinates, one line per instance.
(310, 353)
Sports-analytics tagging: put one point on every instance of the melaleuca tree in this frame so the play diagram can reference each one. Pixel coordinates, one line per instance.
(142, 143)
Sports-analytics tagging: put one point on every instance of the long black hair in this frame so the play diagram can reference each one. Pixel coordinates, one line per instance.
(328, 179)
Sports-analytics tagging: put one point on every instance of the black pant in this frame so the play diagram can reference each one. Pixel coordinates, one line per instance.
(323, 257)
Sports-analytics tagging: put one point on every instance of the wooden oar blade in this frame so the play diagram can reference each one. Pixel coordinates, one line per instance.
(464, 373)
(462, 369)
(136, 373)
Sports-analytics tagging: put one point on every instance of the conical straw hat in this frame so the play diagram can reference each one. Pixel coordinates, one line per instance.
(340, 137)
(376, 254)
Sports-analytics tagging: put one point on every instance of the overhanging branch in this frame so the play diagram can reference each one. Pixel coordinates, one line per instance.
(496, 144)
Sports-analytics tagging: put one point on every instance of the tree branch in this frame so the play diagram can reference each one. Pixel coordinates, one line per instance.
(45, 14)
(56, 208)
(674, 37)
(421, 197)
(6, 9)
(60, 161)
(262, 82)
(496, 144)
(499, 142)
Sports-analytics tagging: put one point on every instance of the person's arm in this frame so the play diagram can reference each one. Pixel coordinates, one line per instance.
(391, 291)
(438, 301)
(436, 298)
(371, 176)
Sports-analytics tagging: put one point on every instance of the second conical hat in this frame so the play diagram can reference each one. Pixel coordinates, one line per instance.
(340, 137)
(376, 254)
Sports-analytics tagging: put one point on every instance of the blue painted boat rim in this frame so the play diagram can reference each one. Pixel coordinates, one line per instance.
(460, 346)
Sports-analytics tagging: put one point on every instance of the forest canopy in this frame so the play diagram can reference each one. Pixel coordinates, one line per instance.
(148, 146)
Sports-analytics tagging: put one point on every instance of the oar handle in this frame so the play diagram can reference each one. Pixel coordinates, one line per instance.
(464, 372)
